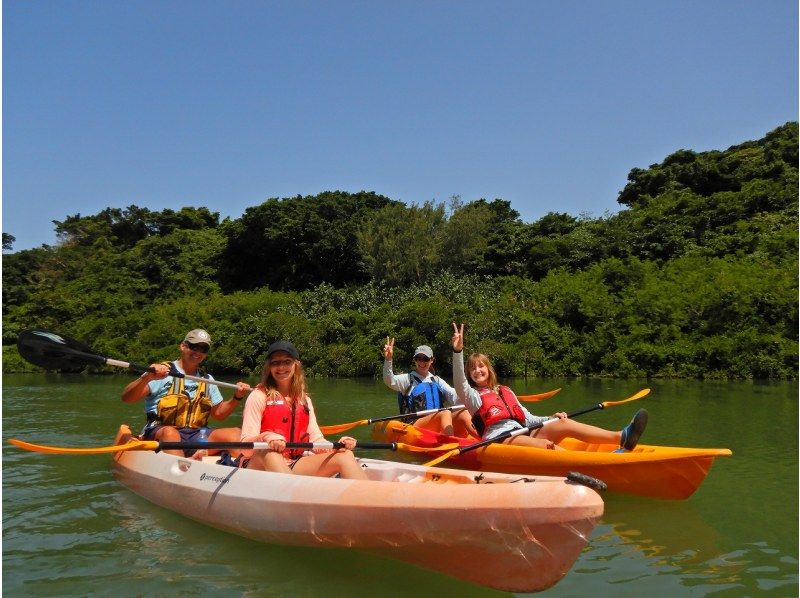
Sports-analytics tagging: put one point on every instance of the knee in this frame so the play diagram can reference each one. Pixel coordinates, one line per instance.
(444, 417)
(226, 435)
(271, 460)
(560, 425)
(168, 434)
(344, 456)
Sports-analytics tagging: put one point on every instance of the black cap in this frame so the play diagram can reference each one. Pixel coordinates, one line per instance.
(284, 346)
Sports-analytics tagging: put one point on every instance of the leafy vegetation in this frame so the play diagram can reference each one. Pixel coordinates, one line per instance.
(695, 277)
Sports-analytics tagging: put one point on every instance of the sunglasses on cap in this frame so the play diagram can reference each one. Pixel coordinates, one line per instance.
(200, 347)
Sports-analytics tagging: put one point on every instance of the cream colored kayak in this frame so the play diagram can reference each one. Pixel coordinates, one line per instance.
(509, 532)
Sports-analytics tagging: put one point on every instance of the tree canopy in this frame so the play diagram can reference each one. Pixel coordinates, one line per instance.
(696, 276)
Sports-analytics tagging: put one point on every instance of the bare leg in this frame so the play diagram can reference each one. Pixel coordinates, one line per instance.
(462, 424)
(329, 464)
(169, 434)
(225, 435)
(525, 440)
(268, 461)
(569, 428)
(441, 422)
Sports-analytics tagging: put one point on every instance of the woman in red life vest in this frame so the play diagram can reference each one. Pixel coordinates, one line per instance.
(279, 411)
(499, 410)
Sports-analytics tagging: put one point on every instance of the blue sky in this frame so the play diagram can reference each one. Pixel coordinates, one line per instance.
(547, 104)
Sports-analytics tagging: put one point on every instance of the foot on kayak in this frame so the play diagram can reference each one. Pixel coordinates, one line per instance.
(633, 431)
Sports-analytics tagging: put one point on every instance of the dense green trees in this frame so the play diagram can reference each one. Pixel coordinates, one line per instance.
(695, 277)
(297, 243)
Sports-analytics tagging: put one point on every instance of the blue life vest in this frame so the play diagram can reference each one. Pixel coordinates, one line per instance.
(421, 395)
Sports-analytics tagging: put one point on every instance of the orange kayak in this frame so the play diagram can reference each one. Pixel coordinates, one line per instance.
(653, 471)
(491, 529)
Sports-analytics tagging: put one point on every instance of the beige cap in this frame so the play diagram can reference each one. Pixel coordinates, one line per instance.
(198, 335)
(424, 350)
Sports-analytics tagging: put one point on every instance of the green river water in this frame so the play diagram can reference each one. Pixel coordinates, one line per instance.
(69, 529)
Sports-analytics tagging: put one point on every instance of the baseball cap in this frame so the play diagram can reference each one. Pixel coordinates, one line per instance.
(284, 346)
(198, 335)
(424, 350)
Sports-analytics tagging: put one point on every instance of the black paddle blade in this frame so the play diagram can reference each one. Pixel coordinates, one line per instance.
(54, 351)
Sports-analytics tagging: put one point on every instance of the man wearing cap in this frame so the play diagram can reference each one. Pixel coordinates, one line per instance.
(422, 390)
(177, 408)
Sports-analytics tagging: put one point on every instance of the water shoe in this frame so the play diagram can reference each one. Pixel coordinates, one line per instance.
(633, 431)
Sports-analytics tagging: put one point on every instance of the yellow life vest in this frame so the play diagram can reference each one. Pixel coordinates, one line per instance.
(177, 409)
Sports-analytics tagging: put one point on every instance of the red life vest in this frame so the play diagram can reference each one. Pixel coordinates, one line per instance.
(497, 406)
(286, 418)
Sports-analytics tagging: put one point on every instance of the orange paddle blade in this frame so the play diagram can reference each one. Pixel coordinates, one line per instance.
(335, 429)
(441, 458)
(134, 445)
(642, 393)
(539, 397)
(427, 449)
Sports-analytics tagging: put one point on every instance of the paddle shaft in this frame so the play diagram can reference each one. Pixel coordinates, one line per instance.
(335, 429)
(141, 369)
(155, 445)
(165, 446)
(415, 414)
(50, 349)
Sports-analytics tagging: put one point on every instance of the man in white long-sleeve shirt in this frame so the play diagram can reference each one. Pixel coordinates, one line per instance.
(422, 390)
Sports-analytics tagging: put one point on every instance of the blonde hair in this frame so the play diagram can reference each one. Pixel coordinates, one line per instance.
(297, 386)
(480, 358)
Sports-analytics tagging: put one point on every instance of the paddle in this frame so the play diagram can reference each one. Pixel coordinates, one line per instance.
(512, 433)
(156, 445)
(539, 397)
(52, 351)
(342, 427)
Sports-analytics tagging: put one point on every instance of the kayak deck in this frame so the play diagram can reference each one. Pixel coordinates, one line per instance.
(652, 471)
(510, 532)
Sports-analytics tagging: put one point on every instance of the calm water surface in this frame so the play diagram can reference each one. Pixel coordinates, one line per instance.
(70, 530)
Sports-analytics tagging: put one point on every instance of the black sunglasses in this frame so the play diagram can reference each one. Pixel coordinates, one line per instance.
(201, 347)
(421, 358)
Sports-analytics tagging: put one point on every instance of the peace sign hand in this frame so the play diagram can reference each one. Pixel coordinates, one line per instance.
(458, 337)
(388, 348)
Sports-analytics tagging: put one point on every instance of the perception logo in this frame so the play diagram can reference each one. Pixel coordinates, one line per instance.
(213, 478)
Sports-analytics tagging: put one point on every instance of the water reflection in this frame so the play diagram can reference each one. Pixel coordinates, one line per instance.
(669, 548)
(251, 568)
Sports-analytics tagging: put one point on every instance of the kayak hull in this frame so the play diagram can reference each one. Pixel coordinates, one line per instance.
(483, 528)
(652, 471)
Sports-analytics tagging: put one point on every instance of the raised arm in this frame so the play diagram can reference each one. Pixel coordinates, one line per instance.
(467, 395)
(399, 382)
